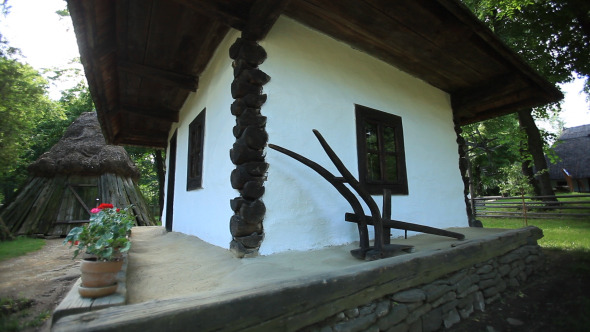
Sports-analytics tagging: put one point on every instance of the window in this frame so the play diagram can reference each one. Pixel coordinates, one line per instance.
(380, 145)
(195, 152)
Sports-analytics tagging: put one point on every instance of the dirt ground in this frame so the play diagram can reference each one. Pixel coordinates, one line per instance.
(557, 300)
(44, 276)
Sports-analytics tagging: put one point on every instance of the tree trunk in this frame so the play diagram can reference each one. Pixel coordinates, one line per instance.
(464, 169)
(535, 148)
(161, 179)
(528, 171)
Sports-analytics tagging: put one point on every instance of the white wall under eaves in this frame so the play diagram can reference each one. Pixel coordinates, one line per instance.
(206, 212)
(315, 83)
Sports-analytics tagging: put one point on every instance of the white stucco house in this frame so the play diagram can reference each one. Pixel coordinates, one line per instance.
(387, 84)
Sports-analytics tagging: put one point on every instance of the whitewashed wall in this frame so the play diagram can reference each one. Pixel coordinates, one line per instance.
(315, 83)
(205, 212)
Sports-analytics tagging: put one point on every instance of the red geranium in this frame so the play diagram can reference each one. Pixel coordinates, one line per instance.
(105, 206)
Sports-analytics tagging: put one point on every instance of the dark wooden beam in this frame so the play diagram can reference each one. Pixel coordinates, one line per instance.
(151, 114)
(476, 109)
(229, 15)
(366, 28)
(155, 140)
(263, 15)
(95, 45)
(408, 226)
(499, 110)
(122, 8)
(462, 13)
(183, 81)
(491, 90)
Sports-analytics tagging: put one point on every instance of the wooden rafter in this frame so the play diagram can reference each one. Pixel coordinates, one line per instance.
(263, 15)
(183, 81)
(232, 16)
(157, 114)
(139, 53)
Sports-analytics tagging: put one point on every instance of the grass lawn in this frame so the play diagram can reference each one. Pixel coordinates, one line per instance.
(572, 234)
(563, 233)
(19, 247)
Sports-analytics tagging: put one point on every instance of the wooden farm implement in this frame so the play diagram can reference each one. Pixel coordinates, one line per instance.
(382, 222)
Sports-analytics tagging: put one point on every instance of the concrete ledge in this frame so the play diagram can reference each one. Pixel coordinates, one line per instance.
(289, 305)
(73, 303)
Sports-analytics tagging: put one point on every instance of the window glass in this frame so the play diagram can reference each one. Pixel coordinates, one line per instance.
(380, 148)
(390, 168)
(373, 167)
(389, 138)
(371, 137)
(195, 152)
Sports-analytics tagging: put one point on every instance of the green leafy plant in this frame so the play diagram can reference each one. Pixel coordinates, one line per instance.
(106, 236)
(516, 184)
(15, 315)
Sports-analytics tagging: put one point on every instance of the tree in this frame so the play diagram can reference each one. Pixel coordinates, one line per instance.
(491, 146)
(151, 167)
(516, 184)
(23, 104)
(554, 37)
(30, 122)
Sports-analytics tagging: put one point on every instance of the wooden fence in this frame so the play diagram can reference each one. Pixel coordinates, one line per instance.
(534, 206)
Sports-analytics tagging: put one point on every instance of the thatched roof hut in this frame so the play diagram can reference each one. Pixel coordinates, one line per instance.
(65, 182)
(573, 147)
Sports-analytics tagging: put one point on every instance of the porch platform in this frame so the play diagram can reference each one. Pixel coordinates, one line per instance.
(178, 282)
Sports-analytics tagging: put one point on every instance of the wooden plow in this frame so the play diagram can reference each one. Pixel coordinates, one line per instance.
(382, 223)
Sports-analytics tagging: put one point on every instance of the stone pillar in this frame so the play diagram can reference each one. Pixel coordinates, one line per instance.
(247, 152)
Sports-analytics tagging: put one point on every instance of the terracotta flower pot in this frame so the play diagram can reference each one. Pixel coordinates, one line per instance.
(98, 274)
(94, 292)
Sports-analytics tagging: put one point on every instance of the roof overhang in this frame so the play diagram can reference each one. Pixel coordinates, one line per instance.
(143, 58)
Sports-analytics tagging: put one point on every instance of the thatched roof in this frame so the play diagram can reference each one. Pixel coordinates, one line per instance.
(83, 151)
(573, 147)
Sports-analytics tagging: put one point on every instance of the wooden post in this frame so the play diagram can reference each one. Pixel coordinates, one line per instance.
(387, 215)
(247, 152)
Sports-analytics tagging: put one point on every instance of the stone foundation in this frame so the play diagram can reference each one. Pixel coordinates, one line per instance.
(443, 302)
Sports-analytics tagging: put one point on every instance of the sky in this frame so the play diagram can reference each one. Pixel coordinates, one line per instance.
(45, 39)
(48, 41)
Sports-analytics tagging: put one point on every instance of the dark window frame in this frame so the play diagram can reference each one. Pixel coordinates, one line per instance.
(367, 116)
(196, 138)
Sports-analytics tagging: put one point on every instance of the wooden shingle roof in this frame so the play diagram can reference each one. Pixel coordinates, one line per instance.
(143, 58)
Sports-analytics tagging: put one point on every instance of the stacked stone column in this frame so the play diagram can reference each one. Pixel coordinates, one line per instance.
(247, 152)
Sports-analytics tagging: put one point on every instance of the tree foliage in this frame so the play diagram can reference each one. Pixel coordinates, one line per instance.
(150, 183)
(23, 105)
(491, 148)
(553, 36)
(31, 123)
